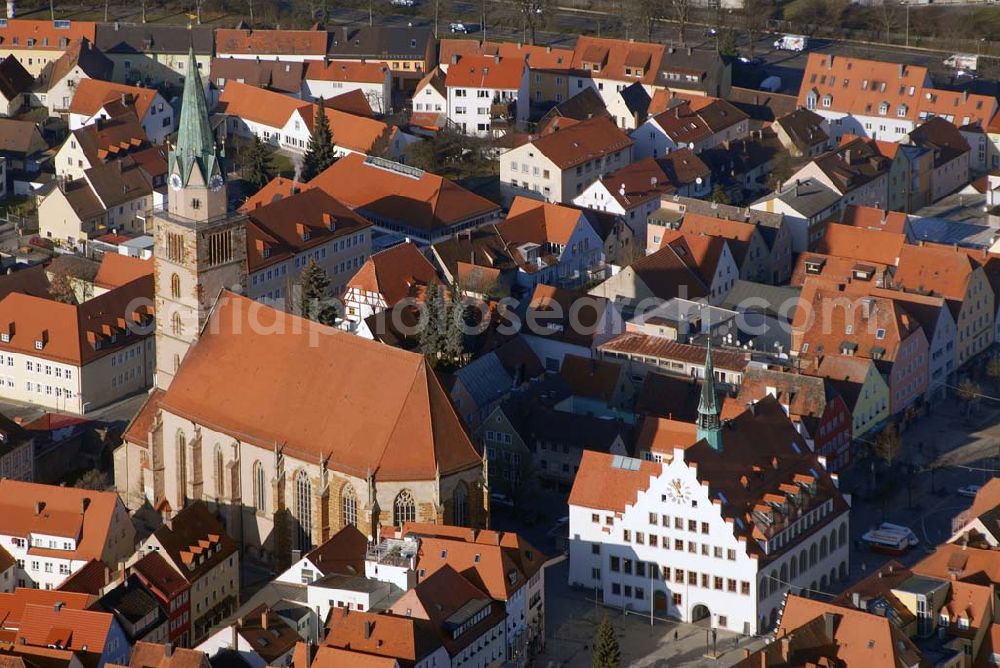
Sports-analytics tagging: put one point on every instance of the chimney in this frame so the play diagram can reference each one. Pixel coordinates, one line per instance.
(786, 646)
(902, 70)
(496, 59)
(328, 221)
(263, 619)
(454, 59)
(84, 504)
(168, 650)
(124, 99)
(58, 606)
(856, 600)
(829, 62)
(234, 642)
(690, 50)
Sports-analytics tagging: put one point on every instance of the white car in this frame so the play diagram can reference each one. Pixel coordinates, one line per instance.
(459, 27)
(969, 491)
(401, 3)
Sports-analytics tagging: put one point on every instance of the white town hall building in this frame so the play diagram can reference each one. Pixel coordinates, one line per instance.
(717, 520)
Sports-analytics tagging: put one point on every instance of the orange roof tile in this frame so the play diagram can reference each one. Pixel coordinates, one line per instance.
(392, 416)
(871, 218)
(47, 37)
(394, 272)
(274, 190)
(602, 486)
(493, 72)
(271, 42)
(942, 270)
(92, 94)
(582, 141)
(618, 58)
(65, 628)
(116, 270)
(419, 199)
(72, 334)
(346, 70)
(857, 86)
(61, 514)
(862, 244)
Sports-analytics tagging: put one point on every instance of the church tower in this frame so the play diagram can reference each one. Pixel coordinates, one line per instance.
(200, 245)
(709, 424)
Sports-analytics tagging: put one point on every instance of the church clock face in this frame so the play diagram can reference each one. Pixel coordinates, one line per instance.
(175, 181)
(678, 491)
(215, 183)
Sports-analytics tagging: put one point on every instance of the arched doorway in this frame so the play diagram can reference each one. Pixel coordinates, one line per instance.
(701, 614)
(660, 602)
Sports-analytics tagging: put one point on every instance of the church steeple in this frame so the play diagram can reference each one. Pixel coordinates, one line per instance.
(709, 425)
(195, 141)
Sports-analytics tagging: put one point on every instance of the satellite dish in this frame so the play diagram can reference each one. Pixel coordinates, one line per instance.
(698, 180)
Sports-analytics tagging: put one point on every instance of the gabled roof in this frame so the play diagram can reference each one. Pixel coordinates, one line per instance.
(940, 270)
(872, 327)
(155, 655)
(592, 378)
(160, 575)
(47, 35)
(861, 244)
(804, 128)
(859, 638)
(81, 53)
(652, 178)
(379, 42)
(586, 140)
(195, 541)
(492, 72)
(342, 553)
(92, 95)
(271, 42)
(392, 417)
(407, 639)
(738, 234)
(90, 579)
(108, 139)
(394, 272)
(345, 70)
(943, 138)
(14, 79)
(277, 231)
(117, 270)
(954, 562)
(398, 193)
(499, 563)
(154, 38)
(282, 76)
(618, 59)
(65, 628)
(872, 218)
(857, 86)
(68, 331)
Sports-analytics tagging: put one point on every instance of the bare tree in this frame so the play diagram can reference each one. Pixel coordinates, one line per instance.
(250, 2)
(888, 17)
(533, 14)
(969, 392)
(888, 445)
(681, 9)
(755, 15)
(642, 14)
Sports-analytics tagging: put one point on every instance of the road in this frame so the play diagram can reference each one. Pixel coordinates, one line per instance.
(563, 24)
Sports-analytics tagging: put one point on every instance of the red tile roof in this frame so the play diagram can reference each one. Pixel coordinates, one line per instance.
(392, 415)
(346, 70)
(394, 272)
(493, 72)
(80, 630)
(16, 33)
(582, 141)
(420, 199)
(93, 94)
(271, 42)
(117, 270)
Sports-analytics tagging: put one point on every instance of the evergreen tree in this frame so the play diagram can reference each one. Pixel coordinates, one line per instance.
(430, 324)
(320, 153)
(452, 330)
(256, 164)
(314, 294)
(606, 653)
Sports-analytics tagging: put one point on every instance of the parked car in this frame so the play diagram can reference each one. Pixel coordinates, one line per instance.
(401, 3)
(459, 27)
(969, 491)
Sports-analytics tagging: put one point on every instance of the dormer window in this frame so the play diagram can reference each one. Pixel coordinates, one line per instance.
(901, 110)
(5, 337)
(883, 108)
(827, 100)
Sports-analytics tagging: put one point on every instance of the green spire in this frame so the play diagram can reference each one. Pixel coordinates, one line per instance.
(195, 141)
(709, 425)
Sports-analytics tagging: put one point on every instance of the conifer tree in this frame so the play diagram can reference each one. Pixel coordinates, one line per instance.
(314, 295)
(256, 164)
(320, 152)
(431, 342)
(452, 331)
(607, 653)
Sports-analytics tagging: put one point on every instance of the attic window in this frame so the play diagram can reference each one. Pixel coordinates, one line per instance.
(5, 337)
(879, 333)
(883, 108)
(413, 43)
